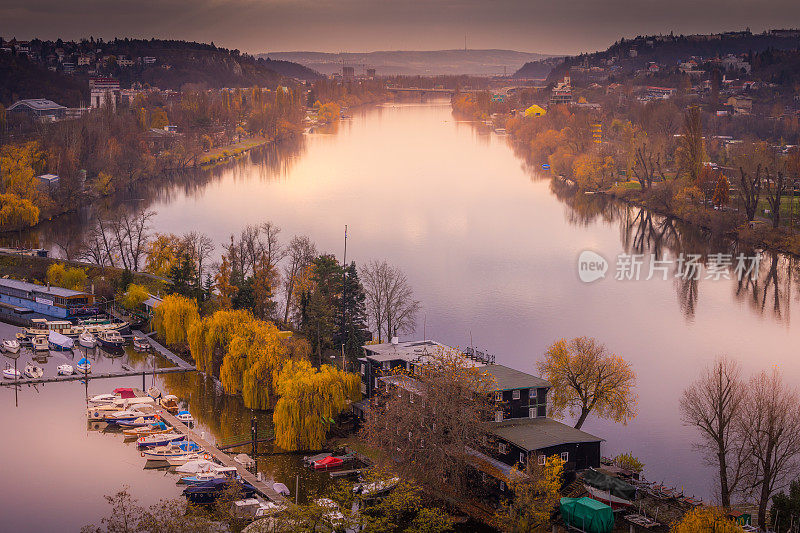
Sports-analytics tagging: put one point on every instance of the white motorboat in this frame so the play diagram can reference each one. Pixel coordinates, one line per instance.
(141, 344)
(87, 340)
(40, 343)
(10, 373)
(33, 371)
(185, 417)
(191, 465)
(154, 393)
(65, 370)
(103, 399)
(10, 345)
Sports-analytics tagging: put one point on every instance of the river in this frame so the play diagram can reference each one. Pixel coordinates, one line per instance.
(491, 249)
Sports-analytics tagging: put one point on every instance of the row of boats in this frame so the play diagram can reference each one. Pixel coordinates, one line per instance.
(33, 371)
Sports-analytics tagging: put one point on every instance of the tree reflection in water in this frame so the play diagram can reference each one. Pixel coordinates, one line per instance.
(645, 232)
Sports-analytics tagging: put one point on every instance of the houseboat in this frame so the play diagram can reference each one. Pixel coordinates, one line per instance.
(56, 302)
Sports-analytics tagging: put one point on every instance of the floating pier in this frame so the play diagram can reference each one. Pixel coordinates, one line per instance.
(226, 460)
(91, 375)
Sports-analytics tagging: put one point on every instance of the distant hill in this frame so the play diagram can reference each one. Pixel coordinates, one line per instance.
(425, 63)
(636, 53)
(59, 70)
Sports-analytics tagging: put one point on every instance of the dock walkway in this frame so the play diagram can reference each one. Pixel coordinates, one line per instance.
(163, 351)
(91, 376)
(261, 487)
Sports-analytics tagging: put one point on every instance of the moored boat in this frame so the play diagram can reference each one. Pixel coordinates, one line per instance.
(186, 458)
(215, 472)
(60, 342)
(40, 343)
(87, 340)
(65, 370)
(33, 371)
(327, 463)
(161, 439)
(193, 465)
(209, 491)
(185, 416)
(23, 339)
(142, 421)
(164, 453)
(153, 428)
(170, 403)
(141, 344)
(10, 372)
(154, 393)
(110, 338)
(103, 399)
(10, 345)
(84, 366)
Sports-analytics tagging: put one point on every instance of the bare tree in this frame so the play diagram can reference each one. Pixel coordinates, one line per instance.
(428, 423)
(770, 425)
(776, 188)
(647, 165)
(300, 253)
(712, 405)
(198, 247)
(390, 301)
(750, 186)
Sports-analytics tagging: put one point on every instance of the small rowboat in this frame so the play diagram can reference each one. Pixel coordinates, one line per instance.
(170, 403)
(10, 345)
(606, 497)
(65, 370)
(10, 372)
(33, 371)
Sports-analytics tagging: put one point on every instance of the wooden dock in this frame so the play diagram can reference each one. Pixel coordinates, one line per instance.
(261, 487)
(163, 351)
(90, 376)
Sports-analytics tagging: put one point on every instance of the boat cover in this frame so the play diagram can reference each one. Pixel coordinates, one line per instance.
(60, 340)
(587, 514)
(125, 392)
(614, 485)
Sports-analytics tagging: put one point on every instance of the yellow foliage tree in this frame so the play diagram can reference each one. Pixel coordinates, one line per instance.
(310, 398)
(162, 253)
(60, 275)
(329, 112)
(175, 317)
(587, 379)
(134, 296)
(17, 213)
(705, 519)
(158, 118)
(209, 338)
(536, 494)
(19, 164)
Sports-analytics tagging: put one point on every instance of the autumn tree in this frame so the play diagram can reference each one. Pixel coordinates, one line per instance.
(586, 379)
(691, 152)
(61, 275)
(299, 253)
(175, 316)
(134, 296)
(426, 423)
(705, 519)
(17, 213)
(536, 493)
(162, 252)
(309, 400)
(770, 425)
(711, 404)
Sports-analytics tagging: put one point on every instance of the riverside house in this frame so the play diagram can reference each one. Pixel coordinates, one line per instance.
(520, 429)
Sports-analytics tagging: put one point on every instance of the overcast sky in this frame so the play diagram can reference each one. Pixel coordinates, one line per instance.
(547, 26)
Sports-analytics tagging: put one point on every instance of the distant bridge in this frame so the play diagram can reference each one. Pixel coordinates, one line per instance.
(418, 90)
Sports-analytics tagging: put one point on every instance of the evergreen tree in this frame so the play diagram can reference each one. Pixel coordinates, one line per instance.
(323, 303)
(351, 318)
(184, 278)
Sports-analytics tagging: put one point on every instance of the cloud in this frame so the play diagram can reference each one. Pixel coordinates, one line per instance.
(564, 26)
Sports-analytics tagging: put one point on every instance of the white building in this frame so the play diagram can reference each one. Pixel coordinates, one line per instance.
(104, 90)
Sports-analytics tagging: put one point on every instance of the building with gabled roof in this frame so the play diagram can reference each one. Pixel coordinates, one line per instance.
(38, 108)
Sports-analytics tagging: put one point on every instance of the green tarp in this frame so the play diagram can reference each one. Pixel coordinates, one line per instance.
(587, 514)
(615, 486)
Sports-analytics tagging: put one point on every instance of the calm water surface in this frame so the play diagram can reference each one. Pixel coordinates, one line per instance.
(491, 250)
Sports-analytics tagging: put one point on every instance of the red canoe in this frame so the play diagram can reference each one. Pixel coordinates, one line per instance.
(328, 462)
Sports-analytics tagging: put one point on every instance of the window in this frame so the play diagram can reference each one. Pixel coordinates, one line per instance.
(376, 383)
(522, 457)
(363, 369)
(498, 416)
(501, 447)
(565, 456)
(532, 412)
(541, 460)
(363, 388)
(502, 486)
(498, 396)
(531, 393)
(515, 395)
(408, 366)
(484, 478)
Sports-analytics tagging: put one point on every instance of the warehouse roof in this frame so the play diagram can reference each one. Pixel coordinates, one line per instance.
(539, 433)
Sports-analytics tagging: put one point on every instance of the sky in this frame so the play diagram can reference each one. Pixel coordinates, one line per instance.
(255, 26)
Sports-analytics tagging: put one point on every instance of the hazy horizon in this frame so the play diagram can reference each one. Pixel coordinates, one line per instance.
(360, 26)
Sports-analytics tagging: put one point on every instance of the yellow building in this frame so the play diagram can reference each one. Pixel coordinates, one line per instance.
(535, 111)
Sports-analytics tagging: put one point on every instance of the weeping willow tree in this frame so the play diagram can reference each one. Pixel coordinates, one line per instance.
(310, 398)
(209, 338)
(175, 317)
